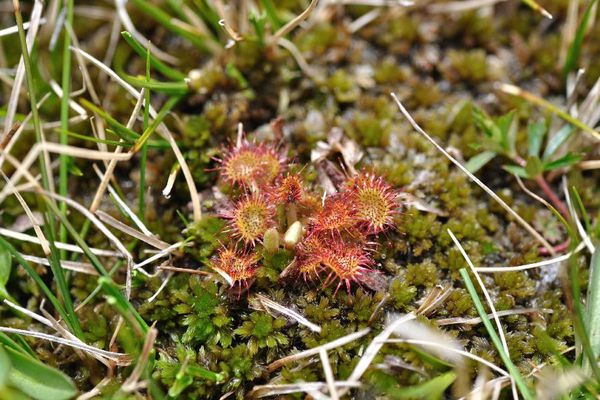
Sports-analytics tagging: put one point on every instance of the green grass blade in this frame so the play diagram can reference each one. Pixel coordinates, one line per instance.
(157, 86)
(59, 276)
(553, 144)
(209, 15)
(37, 126)
(510, 366)
(144, 149)
(64, 160)
(121, 130)
(108, 285)
(21, 346)
(155, 62)
(36, 278)
(593, 306)
(579, 314)
(153, 144)
(575, 47)
(168, 22)
(582, 210)
(125, 308)
(271, 10)
(169, 104)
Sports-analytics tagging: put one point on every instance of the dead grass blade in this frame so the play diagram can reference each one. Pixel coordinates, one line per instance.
(268, 303)
(315, 350)
(489, 191)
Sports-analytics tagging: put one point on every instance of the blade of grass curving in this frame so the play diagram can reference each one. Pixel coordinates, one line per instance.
(37, 279)
(64, 160)
(176, 26)
(510, 366)
(575, 47)
(155, 62)
(169, 104)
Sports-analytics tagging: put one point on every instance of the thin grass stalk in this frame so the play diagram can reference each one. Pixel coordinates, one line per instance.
(144, 149)
(37, 279)
(169, 104)
(510, 366)
(64, 159)
(105, 280)
(573, 296)
(49, 229)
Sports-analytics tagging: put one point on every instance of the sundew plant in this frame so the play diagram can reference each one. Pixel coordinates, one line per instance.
(299, 199)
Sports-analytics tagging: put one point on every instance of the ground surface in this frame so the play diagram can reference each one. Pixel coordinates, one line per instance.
(444, 66)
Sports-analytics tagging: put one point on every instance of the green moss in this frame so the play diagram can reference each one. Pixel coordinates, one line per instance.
(343, 86)
(465, 66)
(206, 234)
(262, 331)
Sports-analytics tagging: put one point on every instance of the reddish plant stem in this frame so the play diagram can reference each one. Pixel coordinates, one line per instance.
(558, 204)
(543, 184)
(558, 248)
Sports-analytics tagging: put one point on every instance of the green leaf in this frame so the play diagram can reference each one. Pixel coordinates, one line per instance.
(38, 380)
(507, 132)
(515, 169)
(555, 142)
(486, 124)
(5, 366)
(535, 137)
(565, 161)
(475, 163)
(534, 166)
(431, 389)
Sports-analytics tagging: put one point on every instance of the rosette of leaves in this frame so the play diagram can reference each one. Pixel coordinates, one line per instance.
(204, 313)
(262, 331)
(500, 139)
